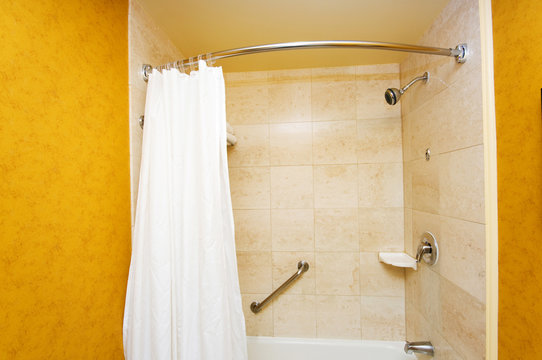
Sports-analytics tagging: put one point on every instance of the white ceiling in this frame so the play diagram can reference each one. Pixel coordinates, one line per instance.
(202, 26)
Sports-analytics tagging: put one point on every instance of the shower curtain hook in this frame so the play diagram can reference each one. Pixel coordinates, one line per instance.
(192, 64)
(200, 57)
(183, 70)
(209, 59)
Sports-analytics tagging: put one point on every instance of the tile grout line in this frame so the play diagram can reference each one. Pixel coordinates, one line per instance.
(316, 330)
(359, 226)
(445, 152)
(318, 164)
(270, 196)
(446, 216)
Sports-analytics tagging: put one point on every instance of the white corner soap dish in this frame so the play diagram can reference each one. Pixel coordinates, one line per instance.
(398, 259)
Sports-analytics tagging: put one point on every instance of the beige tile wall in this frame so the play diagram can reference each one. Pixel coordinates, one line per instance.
(446, 303)
(147, 44)
(317, 175)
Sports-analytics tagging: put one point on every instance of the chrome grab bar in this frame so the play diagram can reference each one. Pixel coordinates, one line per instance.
(302, 267)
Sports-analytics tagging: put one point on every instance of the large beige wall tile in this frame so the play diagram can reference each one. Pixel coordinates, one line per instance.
(252, 230)
(378, 279)
(338, 317)
(295, 316)
(465, 130)
(292, 229)
(336, 230)
(417, 327)
(290, 76)
(443, 350)
(462, 245)
(461, 177)
(406, 136)
(378, 69)
(247, 104)
(463, 321)
(252, 148)
(291, 187)
(422, 127)
(290, 144)
(407, 183)
(290, 101)
(337, 273)
(383, 318)
(425, 187)
(254, 271)
(422, 289)
(250, 188)
(248, 78)
(285, 265)
(380, 185)
(381, 229)
(334, 142)
(137, 108)
(338, 73)
(333, 94)
(409, 248)
(260, 324)
(335, 186)
(379, 140)
(433, 126)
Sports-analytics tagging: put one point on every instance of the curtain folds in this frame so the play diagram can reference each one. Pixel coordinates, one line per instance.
(183, 299)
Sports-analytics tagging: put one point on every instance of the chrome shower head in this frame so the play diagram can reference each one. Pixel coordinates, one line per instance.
(393, 95)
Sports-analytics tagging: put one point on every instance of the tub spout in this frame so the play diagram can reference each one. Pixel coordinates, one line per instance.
(421, 347)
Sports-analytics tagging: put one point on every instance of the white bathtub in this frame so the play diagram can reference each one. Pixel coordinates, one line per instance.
(276, 348)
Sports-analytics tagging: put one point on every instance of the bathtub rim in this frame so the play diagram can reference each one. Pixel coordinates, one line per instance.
(389, 344)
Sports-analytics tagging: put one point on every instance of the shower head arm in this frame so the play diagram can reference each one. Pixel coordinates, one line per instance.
(424, 77)
(393, 95)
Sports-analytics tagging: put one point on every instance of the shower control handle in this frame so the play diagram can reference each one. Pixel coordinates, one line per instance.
(423, 249)
(428, 249)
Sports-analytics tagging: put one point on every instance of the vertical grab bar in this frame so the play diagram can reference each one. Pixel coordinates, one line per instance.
(302, 267)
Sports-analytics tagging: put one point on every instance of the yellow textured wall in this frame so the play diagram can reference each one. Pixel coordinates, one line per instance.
(517, 34)
(64, 179)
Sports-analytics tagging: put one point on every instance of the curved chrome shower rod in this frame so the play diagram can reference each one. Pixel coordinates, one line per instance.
(460, 52)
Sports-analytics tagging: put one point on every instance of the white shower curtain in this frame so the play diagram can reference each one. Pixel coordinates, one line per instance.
(183, 299)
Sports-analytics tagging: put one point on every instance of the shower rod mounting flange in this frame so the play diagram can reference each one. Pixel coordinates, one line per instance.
(145, 71)
(464, 53)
